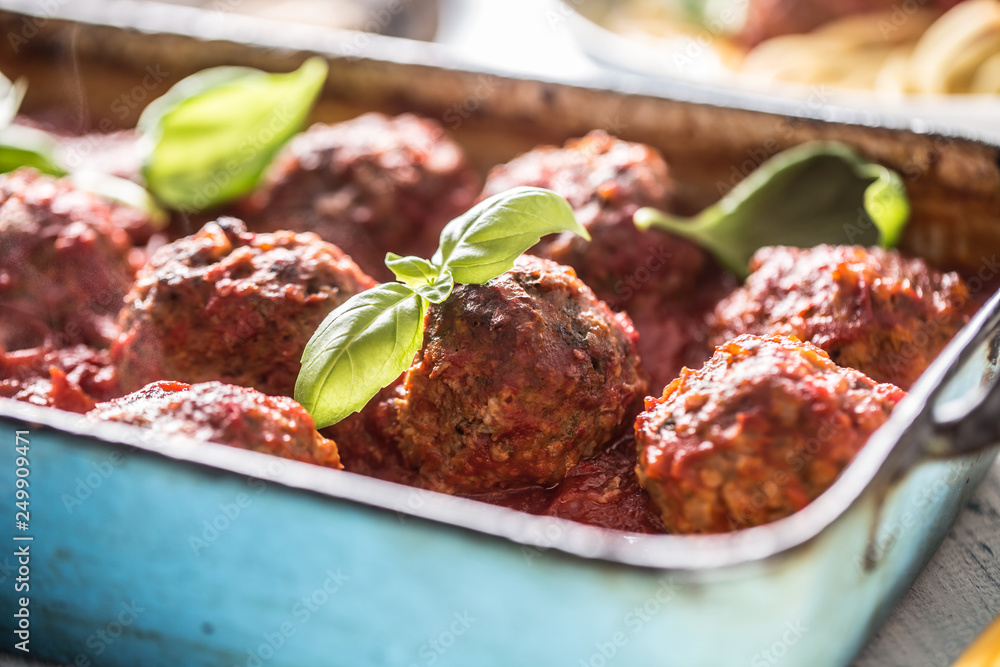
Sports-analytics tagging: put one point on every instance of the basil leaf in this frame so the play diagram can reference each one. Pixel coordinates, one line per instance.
(22, 146)
(411, 270)
(887, 205)
(438, 290)
(210, 137)
(820, 192)
(422, 276)
(121, 190)
(11, 96)
(360, 347)
(484, 242)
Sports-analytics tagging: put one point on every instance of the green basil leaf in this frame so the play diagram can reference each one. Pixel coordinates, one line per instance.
(887, 205)
(438, 290)
(820, 192)
(484, 242)
(411, 270)
(123, 191)
(11, 96)
(22, 146)
(360, 347)
(422, 276)
(210, 137)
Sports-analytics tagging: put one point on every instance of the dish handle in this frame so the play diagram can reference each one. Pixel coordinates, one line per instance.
(965, 405)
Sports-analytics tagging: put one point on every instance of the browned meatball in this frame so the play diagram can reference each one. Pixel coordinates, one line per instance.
(366, 443)
(604, 491)
(606, 181)
(756, 434)
(518, 380)
(228, 305)
(64, 262)
(370, 185)
(73, 378)
(223, 413)
(599, 491)
(870, 309)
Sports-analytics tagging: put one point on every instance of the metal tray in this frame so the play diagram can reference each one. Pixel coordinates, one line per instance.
(158, 551)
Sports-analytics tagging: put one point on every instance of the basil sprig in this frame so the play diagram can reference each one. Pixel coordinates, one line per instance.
(366, 343)
(206, 141)
(819, 192)
(24, 146)
(20, 145)
(211, 136)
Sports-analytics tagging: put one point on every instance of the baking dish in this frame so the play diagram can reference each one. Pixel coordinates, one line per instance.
(165, 552)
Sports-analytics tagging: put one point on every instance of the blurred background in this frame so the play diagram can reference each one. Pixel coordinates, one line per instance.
(937, 60)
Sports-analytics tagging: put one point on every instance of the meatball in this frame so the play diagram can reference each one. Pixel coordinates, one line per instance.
(365, 439)
(223, 413)
(517, 380)
(606, 181)
(603, 491)
(64, 262)
(370, 185)
(763, 428)
(228, 305)
(870, 309)
(600, 491)
(73, 378)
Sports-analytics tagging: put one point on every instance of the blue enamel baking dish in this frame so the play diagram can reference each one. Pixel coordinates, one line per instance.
(152, 551)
